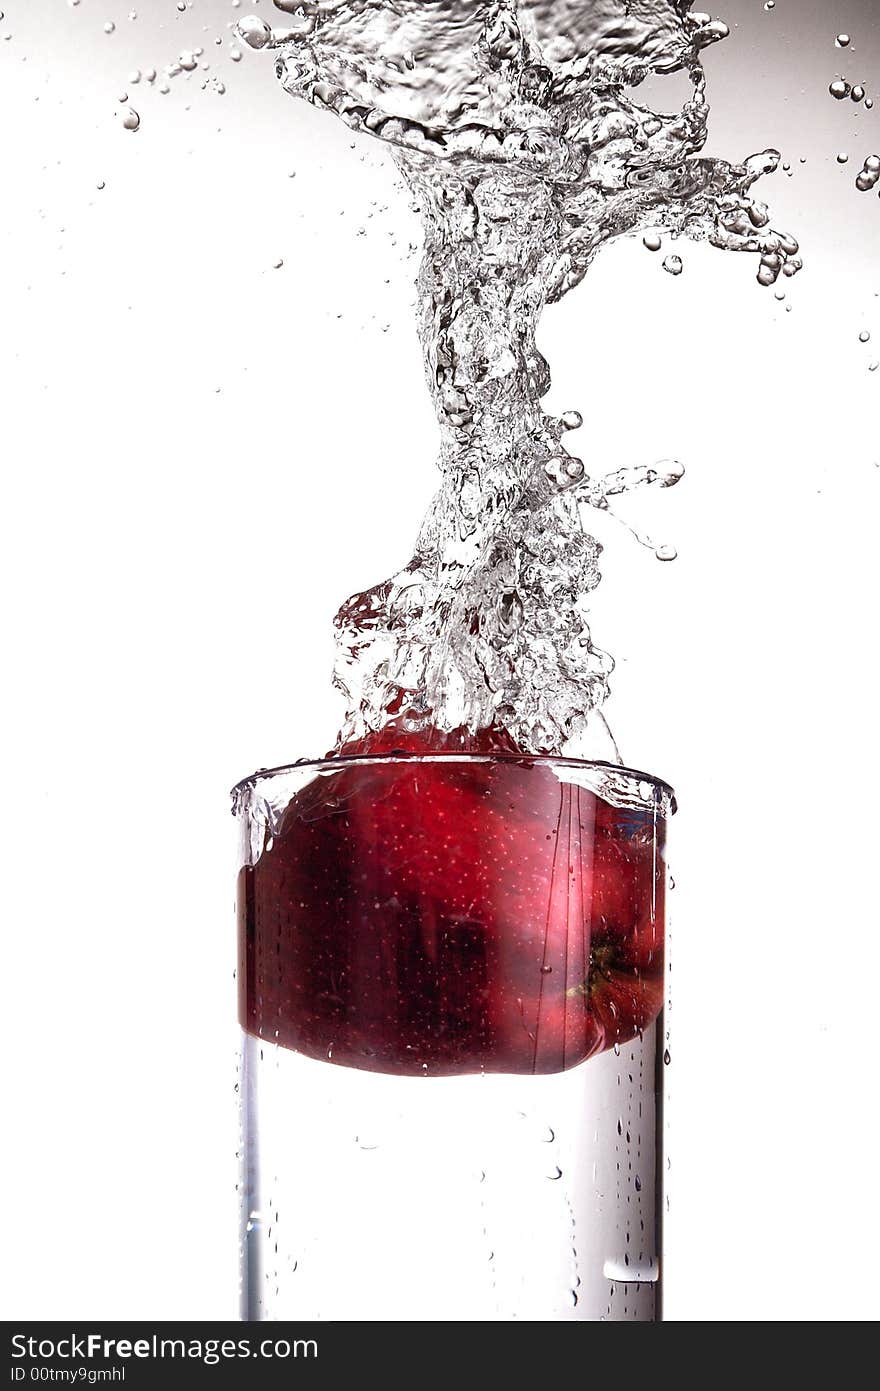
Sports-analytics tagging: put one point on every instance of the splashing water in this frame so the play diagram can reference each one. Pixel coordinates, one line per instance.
(518, 129)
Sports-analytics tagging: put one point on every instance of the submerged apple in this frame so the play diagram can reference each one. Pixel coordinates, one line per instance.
(453, 915)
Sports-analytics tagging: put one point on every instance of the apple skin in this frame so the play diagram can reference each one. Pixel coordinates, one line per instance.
(449, 917)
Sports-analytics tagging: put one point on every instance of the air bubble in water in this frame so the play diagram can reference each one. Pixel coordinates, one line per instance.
(666, 553)
(109, 27)
(840, 89)
(865, 337)
(843, 40)
(858, 94)
(674, 265)
(653, 241)
(870, 175)
(131, 120)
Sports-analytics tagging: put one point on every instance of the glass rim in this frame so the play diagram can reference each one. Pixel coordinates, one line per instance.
(346, 760)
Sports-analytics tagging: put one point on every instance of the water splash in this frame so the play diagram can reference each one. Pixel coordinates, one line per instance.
(519, 130)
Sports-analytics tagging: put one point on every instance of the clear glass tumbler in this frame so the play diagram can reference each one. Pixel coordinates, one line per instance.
(451, 985)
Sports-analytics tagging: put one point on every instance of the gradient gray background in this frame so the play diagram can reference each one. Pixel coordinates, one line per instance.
(205, 455)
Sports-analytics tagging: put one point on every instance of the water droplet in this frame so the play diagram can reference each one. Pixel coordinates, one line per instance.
(276, 265)
(131, 120)
(770, 5)
(253, 31)
(653, 241)
(235, 55)
(557, 1174)
(843, 40)
(864, 337)
(666, 553)
(545, 970)
(869, 103)
(100, 184)
(674, 265)
(857, 93)
(840, 89)
(667, 1057)
(188, 61)
(109, 27)
(638, 1184)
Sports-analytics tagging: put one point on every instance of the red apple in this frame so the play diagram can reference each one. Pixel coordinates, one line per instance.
(449, 915)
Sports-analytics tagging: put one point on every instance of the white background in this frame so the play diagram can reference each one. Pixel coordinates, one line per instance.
(203, 455)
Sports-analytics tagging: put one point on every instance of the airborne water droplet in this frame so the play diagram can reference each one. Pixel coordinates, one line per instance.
(253, 31)
(666, 553)
(667, 1057)
(843, 40)
(131, 120)
(674, 265)
(653, 241)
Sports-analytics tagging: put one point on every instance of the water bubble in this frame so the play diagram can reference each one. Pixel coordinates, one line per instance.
(674, 265)
(653, 241)
(770, 5)
(667, 1057)
(843, 40)
(235, 55)
(276, 265)
(556, 1174)
(188, 61)
(666, 553)
(131, 120)
(858, 93)
(873, 366)
(109, 27)
(843, 158)
(100, 184)
(840, 89)
(865, 337)
(869, 103)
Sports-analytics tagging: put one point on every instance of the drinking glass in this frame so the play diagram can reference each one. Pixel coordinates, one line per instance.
(451, 987)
